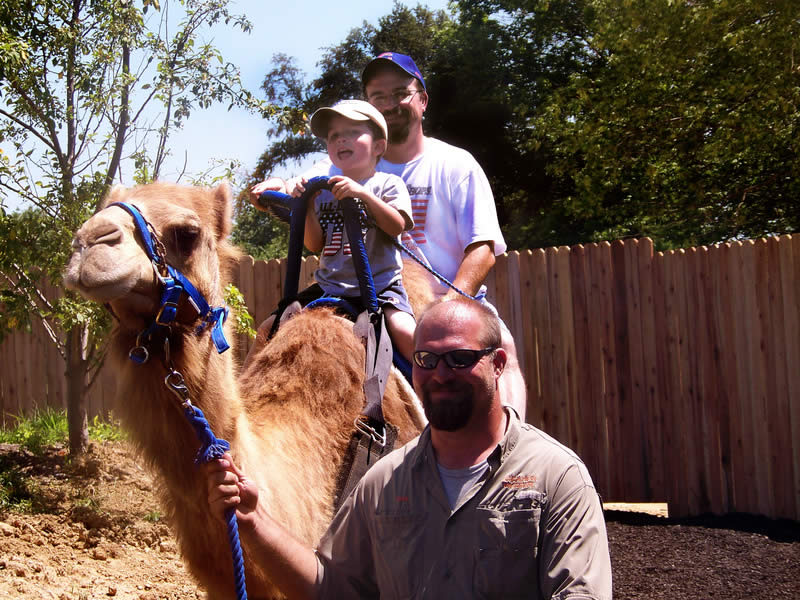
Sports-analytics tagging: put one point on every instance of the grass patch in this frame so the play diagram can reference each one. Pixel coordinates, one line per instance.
(102, 430)
(49, 427)
(153, 516)
(15, 491)
(43, 428)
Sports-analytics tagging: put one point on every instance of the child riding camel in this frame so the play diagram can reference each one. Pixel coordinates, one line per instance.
(356, 136)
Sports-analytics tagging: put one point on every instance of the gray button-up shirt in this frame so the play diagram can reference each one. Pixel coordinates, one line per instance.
(532, 527)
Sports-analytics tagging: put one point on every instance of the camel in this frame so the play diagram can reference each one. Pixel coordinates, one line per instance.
(288, 416)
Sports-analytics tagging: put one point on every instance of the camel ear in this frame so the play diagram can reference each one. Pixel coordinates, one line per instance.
(223, 210)
(114, 195)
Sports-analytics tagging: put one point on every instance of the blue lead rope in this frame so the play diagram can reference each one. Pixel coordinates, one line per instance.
(212, 448)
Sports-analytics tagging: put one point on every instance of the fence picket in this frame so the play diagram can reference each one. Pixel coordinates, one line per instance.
(724, 366)
(541, 324)
(743, 314)
(778, 425)
(586, 408)
(654, 422)
(616, 457)
(515, 318)
(557, 416)
(623, 411)
(708, 390)
(637, 393)
(693, 336)
(529, 364)
(675, 455)
(597, 350)
(789, 249)
(760, 359)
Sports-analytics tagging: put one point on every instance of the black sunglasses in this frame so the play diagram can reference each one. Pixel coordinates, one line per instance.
(455, 359)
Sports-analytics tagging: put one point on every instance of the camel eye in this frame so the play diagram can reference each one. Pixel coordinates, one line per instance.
(185, 239)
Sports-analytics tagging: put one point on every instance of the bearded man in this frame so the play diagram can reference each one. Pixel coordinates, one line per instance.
(480, 505)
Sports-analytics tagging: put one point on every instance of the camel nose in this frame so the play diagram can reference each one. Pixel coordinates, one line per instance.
(96, 232)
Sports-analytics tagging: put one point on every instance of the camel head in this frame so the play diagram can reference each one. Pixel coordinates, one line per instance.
(109, 263)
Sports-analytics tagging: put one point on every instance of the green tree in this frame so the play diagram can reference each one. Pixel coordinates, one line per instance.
(687, 129)
(86, 88)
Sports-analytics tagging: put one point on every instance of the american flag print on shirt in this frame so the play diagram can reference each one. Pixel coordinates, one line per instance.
(419, 211)
(331, 220)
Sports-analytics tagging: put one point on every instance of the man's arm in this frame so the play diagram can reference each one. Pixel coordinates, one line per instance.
(574, 550)
(290, 565)
(478, 260)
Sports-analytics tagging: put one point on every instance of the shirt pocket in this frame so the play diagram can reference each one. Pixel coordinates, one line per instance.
(399, 554)
(506, 560)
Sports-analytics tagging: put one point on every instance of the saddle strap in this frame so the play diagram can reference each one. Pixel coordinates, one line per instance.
(378, 361)
(362, 452)
(373, 437)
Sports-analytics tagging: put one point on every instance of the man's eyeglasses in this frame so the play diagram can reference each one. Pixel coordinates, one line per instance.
(455, 359)
(398, 97)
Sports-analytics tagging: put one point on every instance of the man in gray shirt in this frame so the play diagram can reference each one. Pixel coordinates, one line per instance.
(479, 505)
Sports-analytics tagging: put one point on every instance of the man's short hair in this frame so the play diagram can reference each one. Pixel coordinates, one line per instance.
(490, 335)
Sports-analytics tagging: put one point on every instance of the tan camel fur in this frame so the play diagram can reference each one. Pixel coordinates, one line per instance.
(288, 417)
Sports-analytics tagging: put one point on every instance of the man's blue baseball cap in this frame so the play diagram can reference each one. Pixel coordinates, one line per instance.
(406, 63)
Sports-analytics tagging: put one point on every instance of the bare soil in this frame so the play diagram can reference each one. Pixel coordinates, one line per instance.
(96, 533)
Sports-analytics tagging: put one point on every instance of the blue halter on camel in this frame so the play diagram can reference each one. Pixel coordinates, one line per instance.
(176, 286)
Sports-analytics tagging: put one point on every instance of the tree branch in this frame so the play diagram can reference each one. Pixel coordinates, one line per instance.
(31, 301)
(122, 126)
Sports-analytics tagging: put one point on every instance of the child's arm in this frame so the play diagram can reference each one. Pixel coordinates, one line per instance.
(313, 236)
(386, 216)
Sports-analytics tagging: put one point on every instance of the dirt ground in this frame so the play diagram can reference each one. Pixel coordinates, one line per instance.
(97, 533)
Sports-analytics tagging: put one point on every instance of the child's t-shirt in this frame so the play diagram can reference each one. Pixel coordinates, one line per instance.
(337, 272)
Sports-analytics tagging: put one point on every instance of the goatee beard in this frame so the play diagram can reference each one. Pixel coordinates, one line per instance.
(400, 129)
(398, 134)
(449, 415)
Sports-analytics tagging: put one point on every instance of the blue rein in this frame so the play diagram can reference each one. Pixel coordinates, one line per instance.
(298, 207)
(283, 207)
(175, 285)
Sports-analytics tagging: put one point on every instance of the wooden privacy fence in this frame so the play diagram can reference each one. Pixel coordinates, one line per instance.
(675, 376)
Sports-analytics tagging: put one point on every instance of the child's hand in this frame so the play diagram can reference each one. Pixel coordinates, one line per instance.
(343, 187)
(296, 185)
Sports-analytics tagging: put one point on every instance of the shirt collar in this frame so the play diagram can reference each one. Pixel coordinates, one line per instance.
(424, 449)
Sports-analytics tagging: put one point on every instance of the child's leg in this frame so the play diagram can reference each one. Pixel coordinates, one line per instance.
(401, 327)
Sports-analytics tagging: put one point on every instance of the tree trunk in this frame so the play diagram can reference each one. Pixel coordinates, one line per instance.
(77, 375)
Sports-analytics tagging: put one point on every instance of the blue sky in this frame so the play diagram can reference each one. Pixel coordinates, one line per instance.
(300, 29)
(296, 28)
